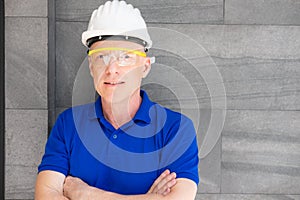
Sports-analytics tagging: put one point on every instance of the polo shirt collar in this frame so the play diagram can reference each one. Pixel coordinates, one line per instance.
(142, 114)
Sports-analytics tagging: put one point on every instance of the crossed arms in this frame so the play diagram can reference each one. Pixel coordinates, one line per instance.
(55, 186)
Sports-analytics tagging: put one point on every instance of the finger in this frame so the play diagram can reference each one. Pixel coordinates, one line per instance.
(162, 176)
(71, 179)
(65, 190)
(164, 181)
(67, 184)
(167, 186)
(166, 192)
(68, 178)
(161, 185)
(158, 180)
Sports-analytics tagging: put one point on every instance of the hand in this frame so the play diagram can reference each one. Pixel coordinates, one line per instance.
(75, 188)
(164, 183)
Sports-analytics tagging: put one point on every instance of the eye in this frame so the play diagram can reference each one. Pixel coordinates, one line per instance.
(100, 56)
(127, 56)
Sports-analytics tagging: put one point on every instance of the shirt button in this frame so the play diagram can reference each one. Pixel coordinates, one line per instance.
(115, 136)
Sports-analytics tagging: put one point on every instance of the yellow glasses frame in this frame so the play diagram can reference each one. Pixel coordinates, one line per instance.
(139, 53)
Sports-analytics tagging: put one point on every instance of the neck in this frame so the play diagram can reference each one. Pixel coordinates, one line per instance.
(121, 112)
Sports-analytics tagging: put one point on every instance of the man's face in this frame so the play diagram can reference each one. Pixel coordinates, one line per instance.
(117, 71)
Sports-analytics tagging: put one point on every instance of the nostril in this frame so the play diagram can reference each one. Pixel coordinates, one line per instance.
(112, 67)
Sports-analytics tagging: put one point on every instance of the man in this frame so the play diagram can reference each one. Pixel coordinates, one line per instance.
(123, 146)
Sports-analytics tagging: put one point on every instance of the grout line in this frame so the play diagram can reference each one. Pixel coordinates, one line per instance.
(221, 153)
(29, 109)
(42, 17)
(204, 24)
(2, 100)
(51, 65)
(248, 194)
(224, 3)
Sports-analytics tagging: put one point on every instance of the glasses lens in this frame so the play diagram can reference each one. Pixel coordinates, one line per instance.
(127, 59)
(99, 58)
(123, 58)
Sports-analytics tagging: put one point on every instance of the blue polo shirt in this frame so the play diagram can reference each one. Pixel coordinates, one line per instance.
(126, 160)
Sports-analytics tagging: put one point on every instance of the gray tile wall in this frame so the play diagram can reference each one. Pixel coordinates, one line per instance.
(272, 12)
(26, 38)
(26, 8)
(26, 134)
(159, 11)
(254, 45)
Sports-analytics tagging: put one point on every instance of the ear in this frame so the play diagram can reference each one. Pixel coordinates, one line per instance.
(90, 67)
(147, 67)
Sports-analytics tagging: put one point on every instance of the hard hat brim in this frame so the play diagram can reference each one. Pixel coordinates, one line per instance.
(96, 33)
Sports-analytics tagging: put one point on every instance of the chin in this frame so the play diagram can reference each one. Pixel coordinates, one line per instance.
(114, 97)
(117, 94)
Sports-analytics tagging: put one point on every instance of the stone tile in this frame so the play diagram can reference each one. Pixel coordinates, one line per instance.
(25, 138)
(209, 144)
(20, 181)
(245, 197)
(261, 152)
(210, 171)
(254, 76)
(26, 134)
(26, 63)
(249, 83)
(176, 84)
(170, 11)
(179, 82)
(207, 197)
(70, 54)
(31, 8)
(262, 12)
(268, 84)
(231, 41)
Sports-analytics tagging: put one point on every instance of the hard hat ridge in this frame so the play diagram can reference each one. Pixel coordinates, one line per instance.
(116, 18)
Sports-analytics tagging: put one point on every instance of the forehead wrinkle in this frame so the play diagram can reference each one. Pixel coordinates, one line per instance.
(113, 43)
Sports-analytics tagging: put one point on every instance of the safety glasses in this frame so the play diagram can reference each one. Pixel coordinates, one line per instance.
(123, 56)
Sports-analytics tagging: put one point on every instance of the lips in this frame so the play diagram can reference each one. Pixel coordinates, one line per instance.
(113, 82)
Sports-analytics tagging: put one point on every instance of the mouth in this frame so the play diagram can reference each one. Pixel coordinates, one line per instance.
(113, 82)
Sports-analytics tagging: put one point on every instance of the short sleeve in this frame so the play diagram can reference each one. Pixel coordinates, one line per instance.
(185, 150)
(56, 154)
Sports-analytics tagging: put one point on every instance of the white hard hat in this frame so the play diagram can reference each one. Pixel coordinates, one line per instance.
(117, 20)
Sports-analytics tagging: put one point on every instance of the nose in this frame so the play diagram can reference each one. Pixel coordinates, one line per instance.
(112, 67)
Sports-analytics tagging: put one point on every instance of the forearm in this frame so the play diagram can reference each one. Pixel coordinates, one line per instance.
(183, 190)
(76, 189)
(49, 185)
(47, 194)
(96, 194)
